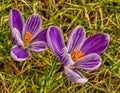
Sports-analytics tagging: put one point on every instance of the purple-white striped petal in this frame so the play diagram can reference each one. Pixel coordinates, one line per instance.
(40, 36)
(55, 39)
(17, 37)
(75, 76)
(16, 20)
(33, 24)
(38, 46)
(19, 54)
(76, 39)
(88, 62)
(96, 43)
(66, 59)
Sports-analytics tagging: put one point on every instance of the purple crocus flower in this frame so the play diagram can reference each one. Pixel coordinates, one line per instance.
(79, 53)
(27, 36)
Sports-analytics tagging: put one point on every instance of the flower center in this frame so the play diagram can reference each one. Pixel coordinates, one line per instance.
(77, 54)
(27, 37)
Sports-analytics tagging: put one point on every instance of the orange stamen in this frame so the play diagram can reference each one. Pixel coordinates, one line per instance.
(27, 37)
(77, 54)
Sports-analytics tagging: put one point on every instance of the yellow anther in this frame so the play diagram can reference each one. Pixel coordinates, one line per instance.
(77, 54)
(27, 36)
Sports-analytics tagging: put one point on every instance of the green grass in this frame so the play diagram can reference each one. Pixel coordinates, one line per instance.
(43, 73)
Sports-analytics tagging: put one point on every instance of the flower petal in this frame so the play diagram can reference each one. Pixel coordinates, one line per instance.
(17, 37)
(96, 43)
(33, 24)
(40, 36)
(89, 62)
(75, 76)
(16, 20)
(76, 39)
(38, 46)
(66, 59)
(55, 39)
(19, 54)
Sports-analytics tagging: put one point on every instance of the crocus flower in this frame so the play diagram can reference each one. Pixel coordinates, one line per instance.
(79, 53)
(27, 36)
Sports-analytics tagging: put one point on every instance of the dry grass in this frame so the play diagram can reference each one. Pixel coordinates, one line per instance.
(43, 73)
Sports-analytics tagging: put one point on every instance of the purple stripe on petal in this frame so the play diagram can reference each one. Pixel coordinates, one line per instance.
(33, 24)
(55, 39)
(76, 39)
(16, 20)
(19, 54)
(38, 46)
(96, 43)
(75, 76)
(66, 59)
(40, 36)
(17, 37)
(89, 62)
